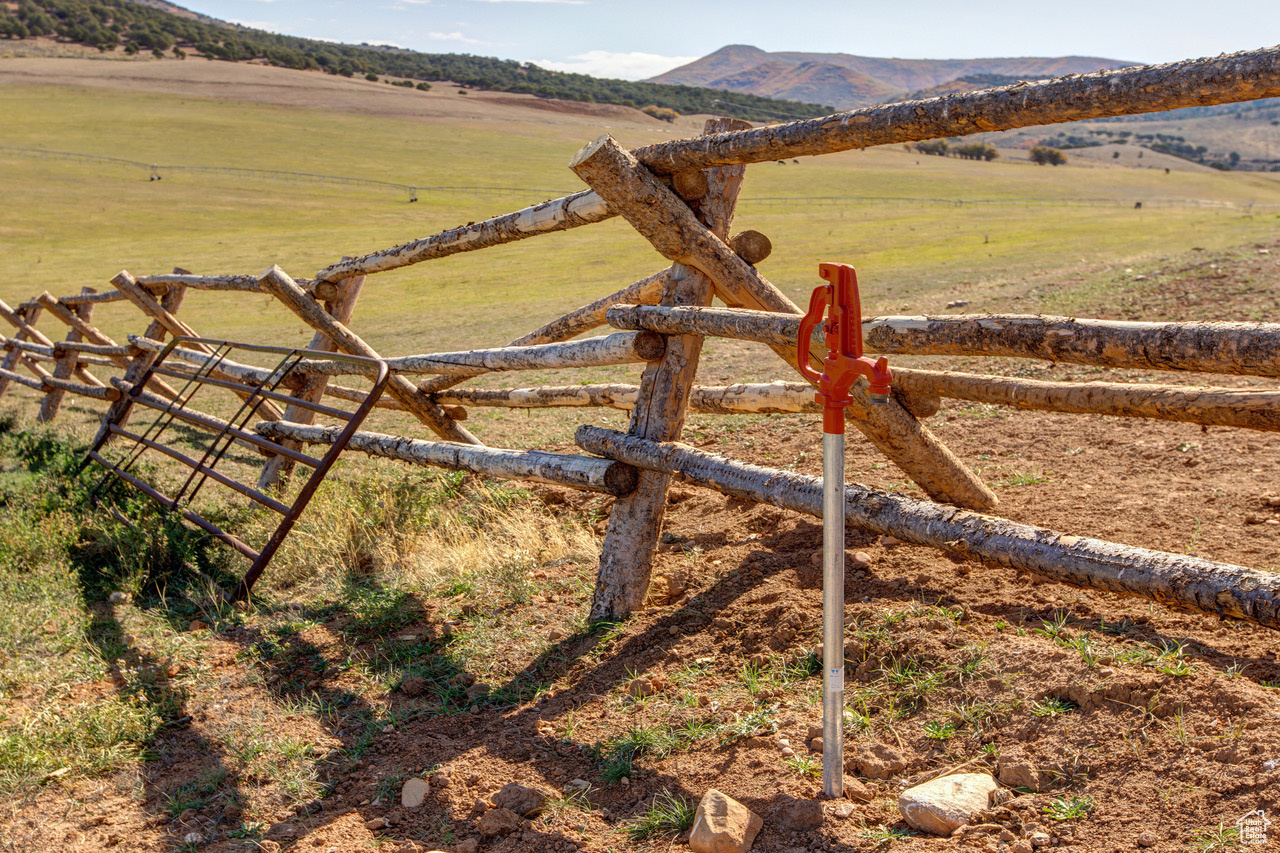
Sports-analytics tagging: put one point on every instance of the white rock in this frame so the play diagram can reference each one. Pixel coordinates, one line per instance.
(414, 792)
(723, 825)
(942, 805)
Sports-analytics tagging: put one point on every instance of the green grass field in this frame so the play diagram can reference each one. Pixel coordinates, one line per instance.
(67, 224)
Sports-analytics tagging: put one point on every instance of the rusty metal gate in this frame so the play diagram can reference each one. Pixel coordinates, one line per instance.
(204, 365)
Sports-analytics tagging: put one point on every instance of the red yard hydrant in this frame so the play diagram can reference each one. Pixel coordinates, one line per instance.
(843, 364)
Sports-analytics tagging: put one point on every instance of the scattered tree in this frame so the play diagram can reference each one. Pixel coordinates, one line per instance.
(933, 146)
(1043, 154)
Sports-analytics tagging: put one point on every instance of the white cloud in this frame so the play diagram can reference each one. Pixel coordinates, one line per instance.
(624, 66)
(453, 37)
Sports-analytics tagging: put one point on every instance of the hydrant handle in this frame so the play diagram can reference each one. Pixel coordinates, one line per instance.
(817, 307)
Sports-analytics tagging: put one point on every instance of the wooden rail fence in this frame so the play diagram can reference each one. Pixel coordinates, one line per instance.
(681, 196)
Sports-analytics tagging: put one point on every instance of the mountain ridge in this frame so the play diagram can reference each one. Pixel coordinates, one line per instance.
(848, 81)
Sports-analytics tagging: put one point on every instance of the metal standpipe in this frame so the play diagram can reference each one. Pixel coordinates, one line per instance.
(833, 614)
(843, 365)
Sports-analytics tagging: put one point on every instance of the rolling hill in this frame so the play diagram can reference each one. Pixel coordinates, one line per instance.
(849, 81)
(164, 30)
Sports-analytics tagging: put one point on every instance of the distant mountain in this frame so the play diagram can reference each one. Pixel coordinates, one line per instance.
(848, 81)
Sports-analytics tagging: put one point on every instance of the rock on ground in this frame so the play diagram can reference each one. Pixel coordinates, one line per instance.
(497, 822)
(801, 815)
(523, 800)
(878, 761)
(942, 805)
(414, 792)
(723, 825)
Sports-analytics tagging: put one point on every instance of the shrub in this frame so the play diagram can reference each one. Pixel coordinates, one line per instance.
(1043, 154)
(662, 113)
(937, 147)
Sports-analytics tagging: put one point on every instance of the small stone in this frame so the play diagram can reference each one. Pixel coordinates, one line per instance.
(498, 822)
(1020, 846)
(1039, 839)
(639, 688)
(723, 825)
(187, 814)
(1254, 518)
(784, 742)
(958, 303)
(524, 801)
(814, 731)
(1016, 771)
(554, 634)
(788, 751)
(576, 786)
(439, 779)
(801, 815)
(817, 745)
(119, 598)
(856, 791)
(376, 824)
(414, 792)
(815, 558)
(197, 625)
(413, 686)
(1146, 839)
(760, 742)
(890, 541)
(232, 812)
(942, 805)
(879, 761)
(469, 845)
(860, 560)
(193, 838)
(843, 810)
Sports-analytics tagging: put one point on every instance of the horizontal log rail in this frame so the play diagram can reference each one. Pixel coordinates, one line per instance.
(587, 473)
(1230, 78)
(1172, 579)
(97, 392)
(23, 379)
(1240, 349)
(581, 208)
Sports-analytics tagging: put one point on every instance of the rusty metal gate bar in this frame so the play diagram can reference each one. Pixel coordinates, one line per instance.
(227, 432)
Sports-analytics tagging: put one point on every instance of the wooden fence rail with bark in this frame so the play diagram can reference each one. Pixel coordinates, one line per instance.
(681, 197)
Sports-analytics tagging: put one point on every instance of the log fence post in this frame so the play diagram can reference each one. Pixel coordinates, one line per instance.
(22, 318)
(69, 364)
(664, 220)
(635, 521)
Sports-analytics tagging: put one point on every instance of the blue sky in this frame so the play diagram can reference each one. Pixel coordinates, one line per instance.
(615, 38)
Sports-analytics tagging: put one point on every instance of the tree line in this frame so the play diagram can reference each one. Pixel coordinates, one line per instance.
(114, 24)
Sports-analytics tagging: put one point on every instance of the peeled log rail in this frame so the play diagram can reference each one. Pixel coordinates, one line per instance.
(1239, 349)
(646, 291)
(738, 399)
(1224, 79)
(620, 348)
(672, 229)
(97, 392)
(561, 214)
(1242, 349)
(1172, 579)
(1243, 76)
(586, 473)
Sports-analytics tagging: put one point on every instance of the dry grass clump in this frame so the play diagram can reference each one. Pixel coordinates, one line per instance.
(437, 532)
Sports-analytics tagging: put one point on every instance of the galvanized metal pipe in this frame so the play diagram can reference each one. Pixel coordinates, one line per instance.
(833, 614)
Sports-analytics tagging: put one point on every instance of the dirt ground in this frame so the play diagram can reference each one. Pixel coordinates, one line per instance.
(1116, 724)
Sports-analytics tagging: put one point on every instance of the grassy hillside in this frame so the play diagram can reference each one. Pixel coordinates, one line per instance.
(111, 25)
